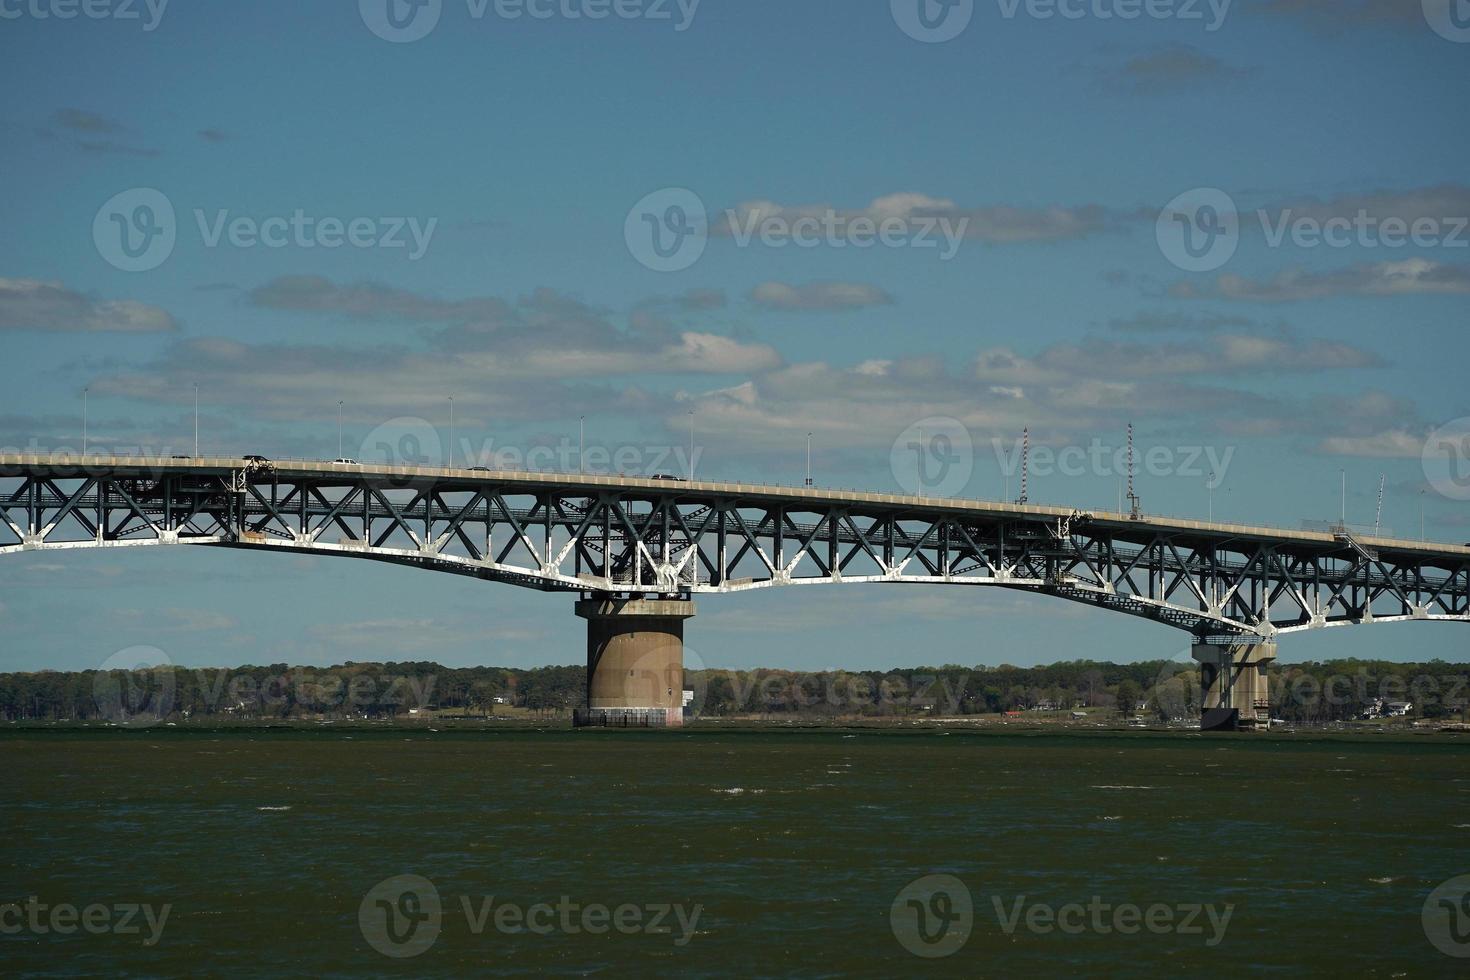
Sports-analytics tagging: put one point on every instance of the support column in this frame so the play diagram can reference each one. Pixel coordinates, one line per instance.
(635, 661)
(1233, 676)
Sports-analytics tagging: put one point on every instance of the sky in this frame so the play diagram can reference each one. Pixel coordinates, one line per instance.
(1239, 226)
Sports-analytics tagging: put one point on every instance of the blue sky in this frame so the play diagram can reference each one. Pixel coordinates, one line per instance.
(518, 147)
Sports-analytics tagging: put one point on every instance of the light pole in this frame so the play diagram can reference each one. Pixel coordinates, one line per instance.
(581, 441)
(1210, 486)
(451, 431)
(691, 446)
(84, 421)
(1344, 499)
(1421, 515)
(808, 459)
(196, 420)
(339, 428)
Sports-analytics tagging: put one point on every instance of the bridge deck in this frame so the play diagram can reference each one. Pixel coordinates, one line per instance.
(61, 466)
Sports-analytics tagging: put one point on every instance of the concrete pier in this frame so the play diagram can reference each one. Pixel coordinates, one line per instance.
(1234, 679)
(635, 661)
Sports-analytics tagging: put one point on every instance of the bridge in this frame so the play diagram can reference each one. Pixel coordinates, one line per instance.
(639, 550)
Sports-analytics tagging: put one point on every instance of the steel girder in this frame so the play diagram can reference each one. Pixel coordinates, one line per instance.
(673, 539)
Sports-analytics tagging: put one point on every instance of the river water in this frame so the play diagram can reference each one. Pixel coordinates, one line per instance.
(730, 853)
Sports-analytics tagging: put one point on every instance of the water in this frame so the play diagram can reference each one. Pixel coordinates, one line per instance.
(794, 845)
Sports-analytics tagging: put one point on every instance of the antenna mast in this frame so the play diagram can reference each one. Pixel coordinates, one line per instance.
(1135, 511)
(1025, 461)
(1378, 521)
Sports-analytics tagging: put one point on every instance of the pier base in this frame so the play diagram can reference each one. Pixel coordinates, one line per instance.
(1236, 694)
(635, 662)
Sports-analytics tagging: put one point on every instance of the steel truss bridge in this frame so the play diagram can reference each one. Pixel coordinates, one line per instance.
(658, 537)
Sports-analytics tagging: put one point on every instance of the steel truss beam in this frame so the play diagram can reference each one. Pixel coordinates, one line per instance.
(676, 540)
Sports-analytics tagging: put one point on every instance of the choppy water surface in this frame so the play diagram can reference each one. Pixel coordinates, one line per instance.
(794, 844)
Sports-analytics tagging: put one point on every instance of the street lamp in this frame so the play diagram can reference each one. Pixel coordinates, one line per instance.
(691, 446)
(196, 420)
(339, 428)
(451, 431)
(84, 421)
(581, 441)
(808, 459)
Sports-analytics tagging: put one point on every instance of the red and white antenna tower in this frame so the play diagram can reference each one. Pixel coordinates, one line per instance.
(1025, 462)
(1135, 510)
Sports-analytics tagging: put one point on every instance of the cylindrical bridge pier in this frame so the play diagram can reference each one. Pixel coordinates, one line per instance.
(635, 661)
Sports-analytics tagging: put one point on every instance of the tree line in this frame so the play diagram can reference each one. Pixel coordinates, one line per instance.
(1316, 692)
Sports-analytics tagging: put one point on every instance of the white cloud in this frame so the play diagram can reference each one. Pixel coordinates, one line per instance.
(32, 304)
(818, 296)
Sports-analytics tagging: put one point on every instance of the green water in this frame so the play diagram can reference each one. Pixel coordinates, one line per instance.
(265, 843)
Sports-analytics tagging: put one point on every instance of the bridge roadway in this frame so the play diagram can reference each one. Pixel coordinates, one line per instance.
(638, 549)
